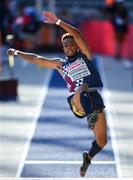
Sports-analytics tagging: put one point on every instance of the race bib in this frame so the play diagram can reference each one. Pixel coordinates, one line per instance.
(78, 70)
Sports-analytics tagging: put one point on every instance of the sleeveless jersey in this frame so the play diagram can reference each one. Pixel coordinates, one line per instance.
(79, 70)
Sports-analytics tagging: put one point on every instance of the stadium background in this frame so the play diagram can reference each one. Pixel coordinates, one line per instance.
(23, 20)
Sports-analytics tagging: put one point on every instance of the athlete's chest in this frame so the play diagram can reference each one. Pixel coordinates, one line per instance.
(76, 69)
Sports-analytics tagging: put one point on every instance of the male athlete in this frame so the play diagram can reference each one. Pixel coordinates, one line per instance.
(82, 80)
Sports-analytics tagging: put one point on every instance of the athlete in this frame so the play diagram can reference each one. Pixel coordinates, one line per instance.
(82, 80)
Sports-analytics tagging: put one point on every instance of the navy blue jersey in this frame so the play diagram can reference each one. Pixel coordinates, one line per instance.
(79, 70)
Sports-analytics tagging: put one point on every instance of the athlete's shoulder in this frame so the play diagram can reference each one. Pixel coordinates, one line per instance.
(61, 60)
(84, 57)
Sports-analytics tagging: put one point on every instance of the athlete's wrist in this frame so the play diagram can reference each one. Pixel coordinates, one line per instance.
(15, 52)
(58, 22)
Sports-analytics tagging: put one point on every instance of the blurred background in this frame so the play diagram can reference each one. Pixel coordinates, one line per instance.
(22, 19)
(108, 28)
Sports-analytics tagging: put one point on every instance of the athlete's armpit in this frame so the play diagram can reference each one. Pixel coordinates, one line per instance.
(48, 63)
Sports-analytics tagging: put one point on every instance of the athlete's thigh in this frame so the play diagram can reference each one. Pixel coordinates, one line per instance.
(76, 100)
(83, 87)
(100, 129)
(76, 97)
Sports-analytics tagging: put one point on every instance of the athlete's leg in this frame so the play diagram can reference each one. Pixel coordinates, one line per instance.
(83, 102)
(78, 112)
(94, 101)
(76, 100)
(87, 104)
(100, 132)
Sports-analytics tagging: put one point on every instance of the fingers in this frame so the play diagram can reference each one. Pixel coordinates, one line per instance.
(10, 52)
(45, 21)
(49, 17)
(46, 14)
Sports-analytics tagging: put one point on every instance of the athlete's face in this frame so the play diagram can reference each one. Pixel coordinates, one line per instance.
(70, 47)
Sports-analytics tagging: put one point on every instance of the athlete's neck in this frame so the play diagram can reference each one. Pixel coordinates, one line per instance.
(74, 56)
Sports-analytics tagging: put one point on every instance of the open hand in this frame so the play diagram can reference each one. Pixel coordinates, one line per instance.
(10, 52)
(49, 17)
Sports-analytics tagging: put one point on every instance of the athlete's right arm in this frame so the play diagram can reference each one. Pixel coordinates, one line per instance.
(36, 59)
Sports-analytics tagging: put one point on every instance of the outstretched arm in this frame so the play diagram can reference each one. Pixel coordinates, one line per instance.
(36, 59)
(78, 37)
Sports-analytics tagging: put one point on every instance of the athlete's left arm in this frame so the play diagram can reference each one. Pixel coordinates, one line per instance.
(78, 37)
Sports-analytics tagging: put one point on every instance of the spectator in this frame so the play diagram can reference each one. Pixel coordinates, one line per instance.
(119, 19)
(5, 19)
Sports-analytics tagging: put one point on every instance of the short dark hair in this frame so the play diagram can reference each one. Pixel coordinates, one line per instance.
(65, 36)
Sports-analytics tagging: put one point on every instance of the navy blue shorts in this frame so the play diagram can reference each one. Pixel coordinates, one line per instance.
(97, 103)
